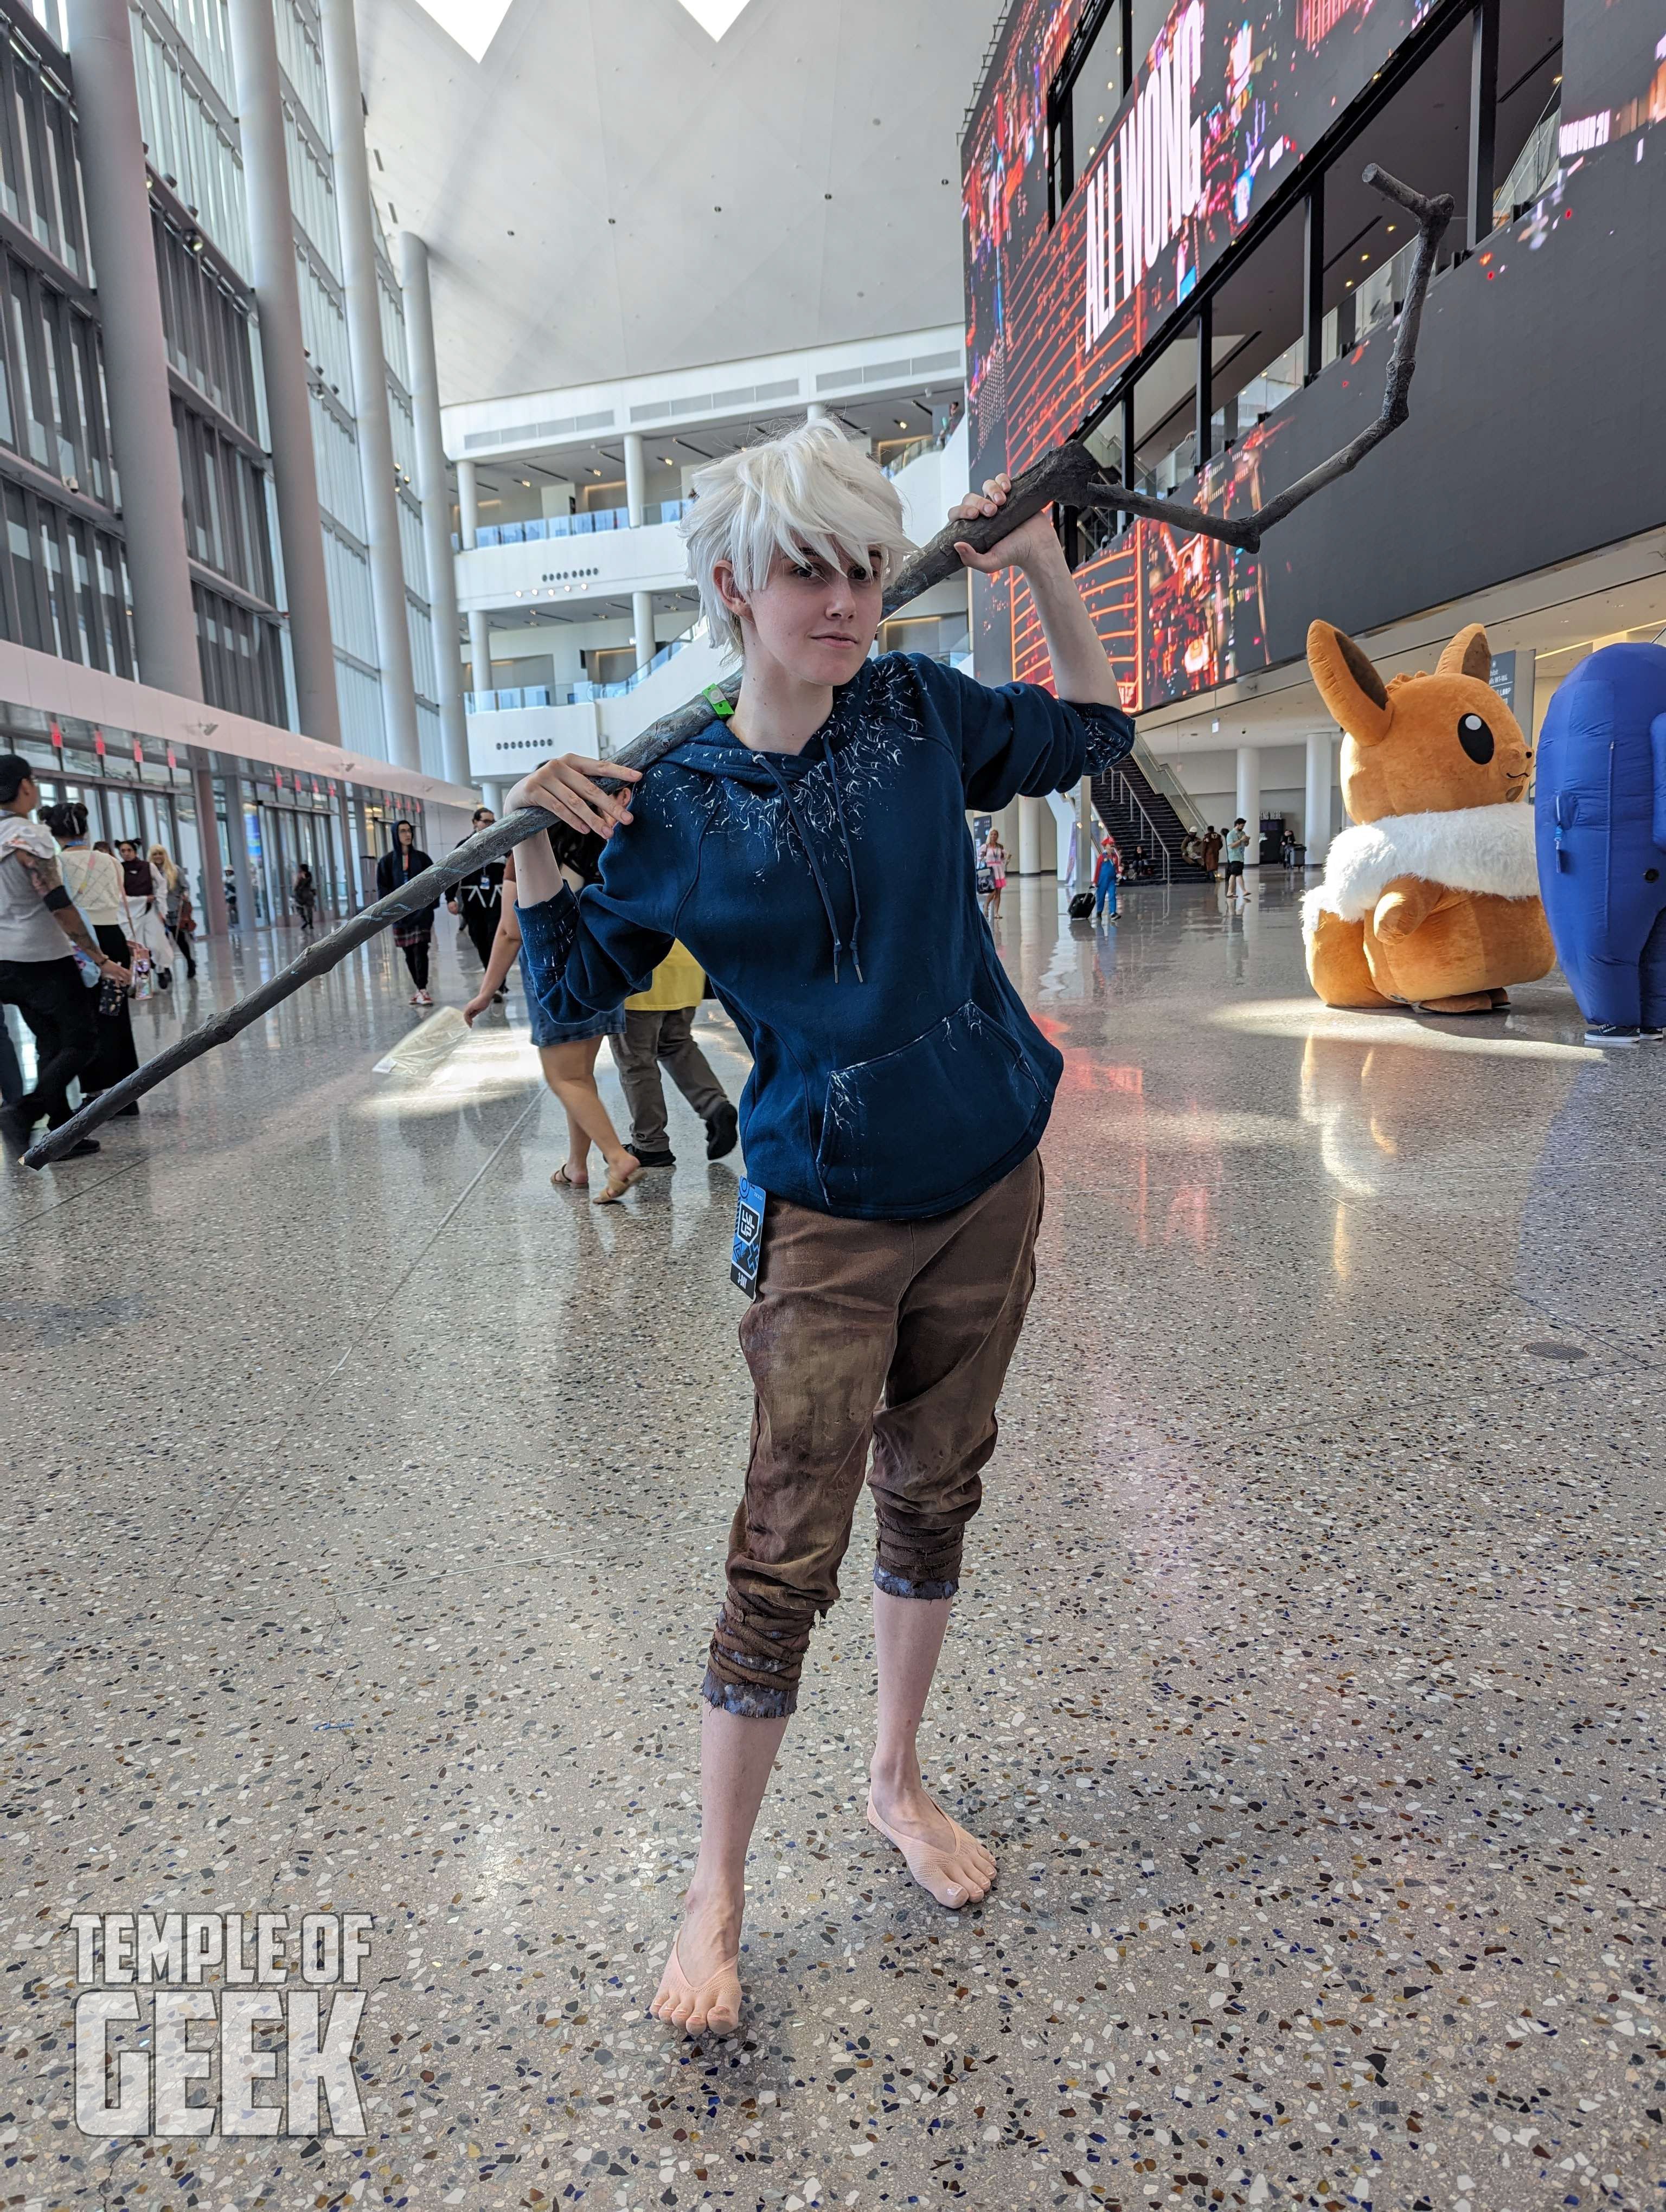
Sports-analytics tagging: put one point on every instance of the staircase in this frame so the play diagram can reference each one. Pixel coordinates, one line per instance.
(1136, 813)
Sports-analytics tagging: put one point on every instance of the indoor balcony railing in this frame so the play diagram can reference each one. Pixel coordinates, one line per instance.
(595, 524)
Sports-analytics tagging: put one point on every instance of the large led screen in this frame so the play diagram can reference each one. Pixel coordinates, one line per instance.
(1223, 105)
(1531, 437)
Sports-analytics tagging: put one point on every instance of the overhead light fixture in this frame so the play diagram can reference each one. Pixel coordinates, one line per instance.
(472, 23)
(714, 17)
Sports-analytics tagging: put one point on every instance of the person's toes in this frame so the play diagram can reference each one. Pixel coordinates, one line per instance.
(969, 1882)
(944, 1879)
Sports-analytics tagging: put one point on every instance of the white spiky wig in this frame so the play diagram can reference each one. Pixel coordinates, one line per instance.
(813, 490)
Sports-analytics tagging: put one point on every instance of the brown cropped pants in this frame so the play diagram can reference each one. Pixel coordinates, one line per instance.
(892, 1334)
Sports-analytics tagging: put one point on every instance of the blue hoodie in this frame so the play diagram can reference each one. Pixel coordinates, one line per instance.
(831, 897)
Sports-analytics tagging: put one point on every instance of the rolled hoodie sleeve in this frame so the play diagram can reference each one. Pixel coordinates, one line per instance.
(585, 955)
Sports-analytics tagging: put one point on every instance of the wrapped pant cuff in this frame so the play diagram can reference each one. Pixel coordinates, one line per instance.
(895, 1585)
(749, 1700)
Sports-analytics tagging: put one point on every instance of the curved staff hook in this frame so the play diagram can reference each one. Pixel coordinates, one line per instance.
(1068, 474)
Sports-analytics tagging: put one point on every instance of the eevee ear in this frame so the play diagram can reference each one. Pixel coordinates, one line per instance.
(1349, 684)
(1469, 655)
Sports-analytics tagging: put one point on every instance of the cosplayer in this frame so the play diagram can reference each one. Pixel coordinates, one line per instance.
(810, 849)
(1432, 899)
(1601, 800)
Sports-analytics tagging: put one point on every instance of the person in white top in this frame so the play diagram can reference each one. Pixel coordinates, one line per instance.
(145, 889)
(38, 974)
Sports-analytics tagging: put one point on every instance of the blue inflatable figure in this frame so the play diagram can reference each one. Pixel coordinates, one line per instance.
(1600, 801)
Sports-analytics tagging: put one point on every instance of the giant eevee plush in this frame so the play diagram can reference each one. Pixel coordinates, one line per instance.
(1432, 899)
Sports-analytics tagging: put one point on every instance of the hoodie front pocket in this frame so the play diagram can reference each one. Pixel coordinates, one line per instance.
(918, 1127)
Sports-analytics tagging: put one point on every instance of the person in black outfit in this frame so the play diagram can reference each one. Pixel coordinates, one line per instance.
(479, 898)
(414, 934)
(304, 892)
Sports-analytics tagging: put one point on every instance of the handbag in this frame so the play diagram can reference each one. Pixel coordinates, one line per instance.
(986, 879)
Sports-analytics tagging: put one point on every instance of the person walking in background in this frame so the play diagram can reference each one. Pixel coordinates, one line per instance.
(992, 875)
(415, 933)
(94, 882)
(1104, 880)
(1210, 851)
(141, 891)
(1237, 844)
(479, 899)
(40, 935)
(174, 901)
(229, 884)
(184, 929)
(658, 1028)
(304, 892)
(568, 1057)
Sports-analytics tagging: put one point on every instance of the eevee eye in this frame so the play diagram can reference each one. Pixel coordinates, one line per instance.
(1476, 738)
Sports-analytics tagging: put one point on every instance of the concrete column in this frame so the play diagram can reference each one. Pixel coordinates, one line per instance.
(370, 404)
(247, 910)
(208, 845)
(283, 364)
(1249, 803)
(468, 505)
(350, 866)
(1084, 849)
(1030, 836)
(635, 470)
(480, 651)
(431, 489)
(493, 795)
(641, 621)
(1316, 819)
(147, 452)
(815, 412)
(364, 855)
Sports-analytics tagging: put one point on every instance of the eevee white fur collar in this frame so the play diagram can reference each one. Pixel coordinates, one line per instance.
(1484, 849)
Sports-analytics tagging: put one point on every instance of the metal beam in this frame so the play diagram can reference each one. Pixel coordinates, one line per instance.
(1483, 117)
(284, 366)
(1313, 280)
(123, 254)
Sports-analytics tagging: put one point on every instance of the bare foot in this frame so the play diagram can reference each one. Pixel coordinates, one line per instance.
(951, 1865)
(571, 1177)
(700, 1989)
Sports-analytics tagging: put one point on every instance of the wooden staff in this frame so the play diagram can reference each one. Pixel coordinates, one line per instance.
(1067, 475)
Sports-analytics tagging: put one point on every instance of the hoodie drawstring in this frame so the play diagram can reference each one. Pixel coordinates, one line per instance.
(785, 789)
(850, 869)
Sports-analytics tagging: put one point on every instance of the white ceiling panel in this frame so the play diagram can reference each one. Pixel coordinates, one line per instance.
(613, 187)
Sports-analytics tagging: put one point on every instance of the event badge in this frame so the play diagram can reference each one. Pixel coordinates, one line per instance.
(748, 1238)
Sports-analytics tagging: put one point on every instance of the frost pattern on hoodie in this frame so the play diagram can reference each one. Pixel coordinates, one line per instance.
(872, 726)
(874, 722)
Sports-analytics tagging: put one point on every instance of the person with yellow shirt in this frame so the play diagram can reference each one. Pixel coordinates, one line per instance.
(659, 1031)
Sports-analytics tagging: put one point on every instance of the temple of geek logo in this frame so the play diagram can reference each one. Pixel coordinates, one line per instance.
(194, 2023)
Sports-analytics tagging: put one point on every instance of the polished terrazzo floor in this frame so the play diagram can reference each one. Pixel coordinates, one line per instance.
(367, 1509)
